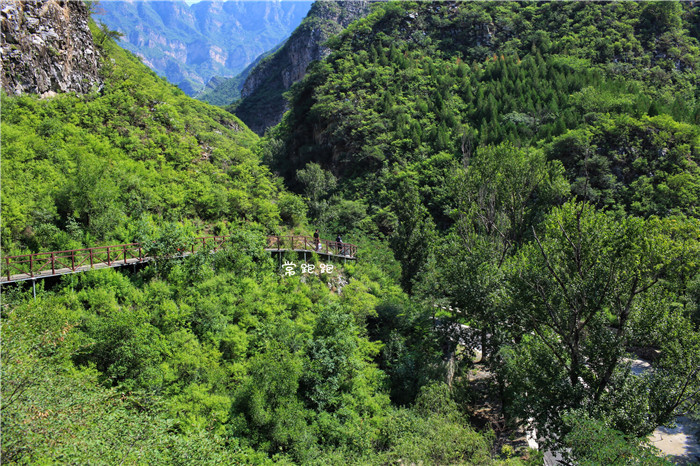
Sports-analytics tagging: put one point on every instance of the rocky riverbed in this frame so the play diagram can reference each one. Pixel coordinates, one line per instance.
(680, 443)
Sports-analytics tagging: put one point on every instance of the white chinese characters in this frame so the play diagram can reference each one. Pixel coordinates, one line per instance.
(289, 268)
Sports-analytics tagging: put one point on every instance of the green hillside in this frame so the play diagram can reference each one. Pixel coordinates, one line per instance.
(78, 171)
(409, 96)
(388, 96)
(214, 358)
(522, 181)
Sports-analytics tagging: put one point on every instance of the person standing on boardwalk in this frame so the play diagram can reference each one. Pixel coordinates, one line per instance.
(339, 244)
(317, 244)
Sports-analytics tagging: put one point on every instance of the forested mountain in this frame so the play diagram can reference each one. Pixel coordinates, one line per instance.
(421, 89)
(262, 104)
(189, 44)
(522, 180)
(534, 165)
(215, 358)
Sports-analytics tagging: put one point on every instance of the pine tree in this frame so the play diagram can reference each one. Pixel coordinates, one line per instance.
(373, 54)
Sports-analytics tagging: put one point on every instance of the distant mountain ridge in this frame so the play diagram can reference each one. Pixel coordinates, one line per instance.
(190, 44)
(262, 104)
(221, 90)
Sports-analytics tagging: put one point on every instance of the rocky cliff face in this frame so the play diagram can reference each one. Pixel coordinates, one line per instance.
(306, 43)
(47, 47)
(262, 104)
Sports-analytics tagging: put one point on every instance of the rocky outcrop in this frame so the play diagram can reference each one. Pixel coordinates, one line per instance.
(47, 47)
(306, 44)
(262, 104)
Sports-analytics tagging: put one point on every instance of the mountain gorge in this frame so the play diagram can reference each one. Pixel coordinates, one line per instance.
(522, 181)
(191, 44)
(214, 357)
(262, 104)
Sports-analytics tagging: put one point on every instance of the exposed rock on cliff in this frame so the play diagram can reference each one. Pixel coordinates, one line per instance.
(47, 47)
(262, 104)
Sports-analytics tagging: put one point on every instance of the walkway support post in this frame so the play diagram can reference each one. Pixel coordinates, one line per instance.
(53, 264)
(7, 261)
(31, 267)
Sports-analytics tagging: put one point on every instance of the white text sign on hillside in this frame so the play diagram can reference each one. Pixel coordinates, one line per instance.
(306, 269)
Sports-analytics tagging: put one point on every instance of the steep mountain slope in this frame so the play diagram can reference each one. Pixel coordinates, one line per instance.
(262, 105)
(535, 165)
(215, 357)
(413, 81)
(190, 44)
(78, 170)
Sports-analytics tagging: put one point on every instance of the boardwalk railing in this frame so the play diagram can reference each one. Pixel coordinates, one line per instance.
(27, 266)
(73, 259)
(306, 243)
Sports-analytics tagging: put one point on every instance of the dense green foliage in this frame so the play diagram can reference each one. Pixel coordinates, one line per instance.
(591, 443)
(78, 170)
(215, 358)
(218, 360)
(536, 166)
(398, 90)
(584, 291)
(522, 179)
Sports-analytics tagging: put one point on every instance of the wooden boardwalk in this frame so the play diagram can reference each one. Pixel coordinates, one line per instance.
(25, 267)
(20, 277)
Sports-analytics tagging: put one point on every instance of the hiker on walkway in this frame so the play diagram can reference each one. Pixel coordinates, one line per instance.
(339, 244)
(317, 243)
